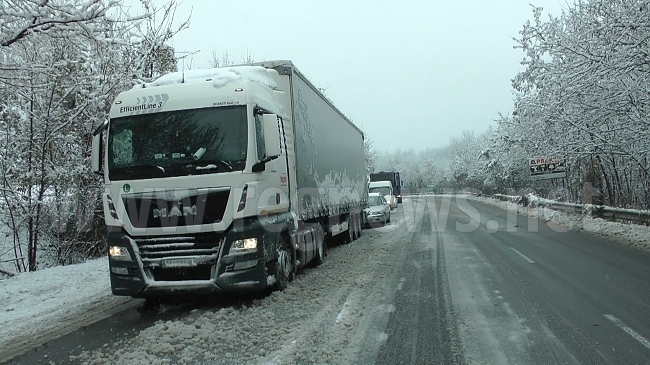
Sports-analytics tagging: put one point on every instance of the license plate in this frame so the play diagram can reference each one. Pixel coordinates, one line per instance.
(182, 262)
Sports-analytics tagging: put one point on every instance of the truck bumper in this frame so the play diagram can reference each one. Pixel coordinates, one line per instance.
(138, 285)
(191, 264)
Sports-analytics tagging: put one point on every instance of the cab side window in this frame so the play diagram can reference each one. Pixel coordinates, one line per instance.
(259, 137)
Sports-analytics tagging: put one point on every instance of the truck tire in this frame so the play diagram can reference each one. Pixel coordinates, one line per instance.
(350, 236)
(321, 251)
(360, 224)
(150, 305)
(284, 265)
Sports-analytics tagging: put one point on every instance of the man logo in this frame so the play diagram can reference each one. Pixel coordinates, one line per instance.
(175, 211)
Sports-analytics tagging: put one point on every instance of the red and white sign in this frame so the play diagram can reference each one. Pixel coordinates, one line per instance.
(547, 167)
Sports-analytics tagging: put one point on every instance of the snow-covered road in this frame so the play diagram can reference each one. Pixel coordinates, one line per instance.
(338, 313)
(327, 314)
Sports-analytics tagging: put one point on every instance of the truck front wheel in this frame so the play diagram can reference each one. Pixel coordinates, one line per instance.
(284, 266)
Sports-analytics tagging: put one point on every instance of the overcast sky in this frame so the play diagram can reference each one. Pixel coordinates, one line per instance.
(411, 74)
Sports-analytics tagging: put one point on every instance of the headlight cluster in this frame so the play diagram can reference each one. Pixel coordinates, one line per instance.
(244, 245)
(119, 253)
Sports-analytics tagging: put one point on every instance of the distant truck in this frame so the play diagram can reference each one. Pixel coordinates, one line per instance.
(226, 179)
(386, 189)
(392, 176)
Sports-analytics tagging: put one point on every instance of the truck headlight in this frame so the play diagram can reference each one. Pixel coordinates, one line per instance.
(244, 245)
(119, 253)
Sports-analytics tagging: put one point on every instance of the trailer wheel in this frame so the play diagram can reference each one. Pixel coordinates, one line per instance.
(355, 231)
(359, 225)
(350, 236)
(320, 251)
(284, 266)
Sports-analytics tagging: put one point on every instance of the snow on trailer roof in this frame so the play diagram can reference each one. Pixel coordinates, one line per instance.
(220, 77)
(257, 72)
(279, 64)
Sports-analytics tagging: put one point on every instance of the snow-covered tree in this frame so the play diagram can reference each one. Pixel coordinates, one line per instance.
(370, 156)
(62, 64)
(584, 94)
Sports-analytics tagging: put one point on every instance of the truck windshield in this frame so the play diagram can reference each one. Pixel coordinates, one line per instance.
(177, 143)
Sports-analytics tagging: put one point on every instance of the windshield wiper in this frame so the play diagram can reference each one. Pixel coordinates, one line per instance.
(213, 164)
(143, 168)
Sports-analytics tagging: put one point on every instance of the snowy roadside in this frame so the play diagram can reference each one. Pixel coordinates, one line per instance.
(327, 315)
(634, 235)
(35, 305)
(328, 310)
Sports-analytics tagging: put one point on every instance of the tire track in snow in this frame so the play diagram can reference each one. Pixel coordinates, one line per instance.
(339, 332)
(423, 328)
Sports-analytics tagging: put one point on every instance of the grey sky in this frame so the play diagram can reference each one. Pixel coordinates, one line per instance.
(411, 74)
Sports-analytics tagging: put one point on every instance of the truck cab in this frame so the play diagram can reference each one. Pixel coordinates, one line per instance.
(217, 180)
(386, 189)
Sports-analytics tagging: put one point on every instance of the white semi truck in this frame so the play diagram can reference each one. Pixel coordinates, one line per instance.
(226, 179)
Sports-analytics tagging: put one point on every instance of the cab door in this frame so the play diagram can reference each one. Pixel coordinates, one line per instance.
(273, 180)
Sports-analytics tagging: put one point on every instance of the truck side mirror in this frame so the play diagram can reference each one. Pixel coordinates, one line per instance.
(96, 154)
(271, 135)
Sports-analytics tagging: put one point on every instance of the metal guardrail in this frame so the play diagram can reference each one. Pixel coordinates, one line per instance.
(590, 210)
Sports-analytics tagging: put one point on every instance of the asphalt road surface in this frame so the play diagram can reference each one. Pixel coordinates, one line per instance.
(449, 281)
(528, 291)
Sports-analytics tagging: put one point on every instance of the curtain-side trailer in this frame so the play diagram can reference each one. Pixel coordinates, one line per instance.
(226, 179)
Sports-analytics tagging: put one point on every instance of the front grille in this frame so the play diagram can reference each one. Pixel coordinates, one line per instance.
(156, 210)
(177, 258)
(199, 246)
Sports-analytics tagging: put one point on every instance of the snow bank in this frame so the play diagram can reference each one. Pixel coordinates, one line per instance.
(37, 303)
(629, 234)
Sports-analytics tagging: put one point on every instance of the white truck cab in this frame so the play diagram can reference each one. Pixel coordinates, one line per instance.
(225, 179)
(386, 189)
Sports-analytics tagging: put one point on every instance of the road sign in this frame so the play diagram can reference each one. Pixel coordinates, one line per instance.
(547, 167)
